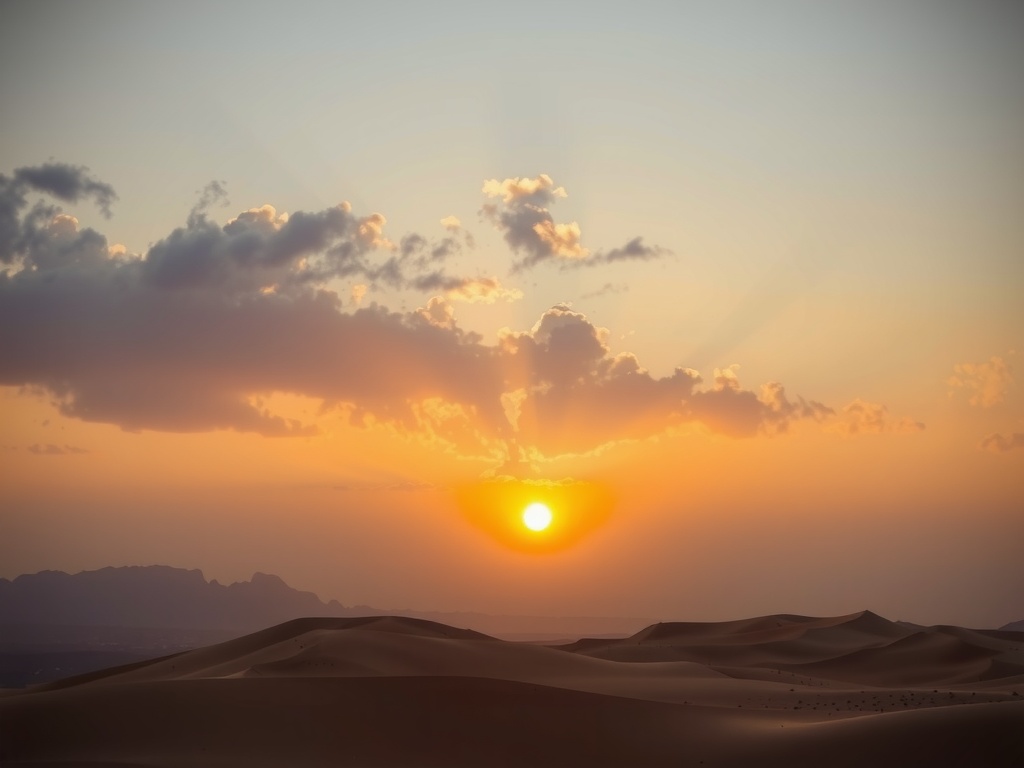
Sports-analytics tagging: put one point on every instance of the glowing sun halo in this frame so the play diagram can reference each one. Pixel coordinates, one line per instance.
(537, 516)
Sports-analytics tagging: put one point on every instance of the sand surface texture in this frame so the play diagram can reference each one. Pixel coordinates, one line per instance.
(855, 690)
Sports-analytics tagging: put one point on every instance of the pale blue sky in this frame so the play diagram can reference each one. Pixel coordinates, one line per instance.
(882, 140)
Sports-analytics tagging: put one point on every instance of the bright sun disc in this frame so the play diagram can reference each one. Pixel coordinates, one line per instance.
(537, 516)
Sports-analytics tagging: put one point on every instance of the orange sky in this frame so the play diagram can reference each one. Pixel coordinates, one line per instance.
(751, 327)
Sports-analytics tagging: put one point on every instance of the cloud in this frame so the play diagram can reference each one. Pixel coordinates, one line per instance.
(780, 411)
(50, 449)
(538, 191)
(214, 193)
(572, 395)
(998, 443)
(729, 409)
(561, 239)
(454, 227)
(69, 183)
(265, 220)
(604, 290)
(634, 250)
(25, 236)
(986, 383)
(259, 247)
(192, 334)
(438, 313)
(863, 418)
(182, 338)
(486, 290)
(522, 215)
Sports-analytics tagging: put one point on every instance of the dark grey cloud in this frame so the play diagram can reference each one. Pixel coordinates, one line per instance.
(68, 183)
(214, 193)
(523, 217)
(20, 231)
(634, 250)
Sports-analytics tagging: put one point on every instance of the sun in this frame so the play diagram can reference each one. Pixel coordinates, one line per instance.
(537, 516)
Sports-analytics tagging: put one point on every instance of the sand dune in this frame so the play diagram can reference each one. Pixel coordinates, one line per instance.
(852, 690)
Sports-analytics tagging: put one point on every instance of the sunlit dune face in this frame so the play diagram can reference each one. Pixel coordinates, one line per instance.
(537, 516)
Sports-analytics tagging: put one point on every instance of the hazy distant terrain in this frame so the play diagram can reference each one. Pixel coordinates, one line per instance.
(175, 598)
(54, 624)
(784, 690)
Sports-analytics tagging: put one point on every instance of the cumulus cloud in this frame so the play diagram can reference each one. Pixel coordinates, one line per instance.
(26, 236)
(438, 313)
(265, 220)
(998, 443)
(863, 418)
(986, 384)
(181, 338)
(522, 215)
(190, 335)
(572, 394)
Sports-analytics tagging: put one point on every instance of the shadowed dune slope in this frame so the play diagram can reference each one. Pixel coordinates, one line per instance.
(442, 721)
(267, 646)
(924, 658)
(861, 647)
(764, 640)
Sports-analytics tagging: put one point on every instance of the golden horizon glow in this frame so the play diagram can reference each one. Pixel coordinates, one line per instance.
(498, 507)
(537, 516)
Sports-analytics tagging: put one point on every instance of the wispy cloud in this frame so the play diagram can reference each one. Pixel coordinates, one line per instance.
(863, 418)
(986, 384)
(999, 443)
(606, 289)
(51, 449)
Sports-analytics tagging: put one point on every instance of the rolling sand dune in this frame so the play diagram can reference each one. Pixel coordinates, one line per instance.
(779, 690)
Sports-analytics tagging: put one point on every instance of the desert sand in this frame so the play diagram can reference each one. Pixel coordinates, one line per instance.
(782, 690)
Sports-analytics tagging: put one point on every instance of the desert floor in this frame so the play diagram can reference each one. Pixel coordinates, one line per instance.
(855, 690)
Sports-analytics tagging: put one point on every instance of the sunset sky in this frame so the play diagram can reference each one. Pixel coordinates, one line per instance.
(332, 290)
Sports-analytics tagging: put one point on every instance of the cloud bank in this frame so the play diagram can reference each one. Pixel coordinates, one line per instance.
(191, 335)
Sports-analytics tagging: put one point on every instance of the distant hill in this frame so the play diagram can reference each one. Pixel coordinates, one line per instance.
(54, 624)
(163, 597)
(155, 596)
(1014, 626)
